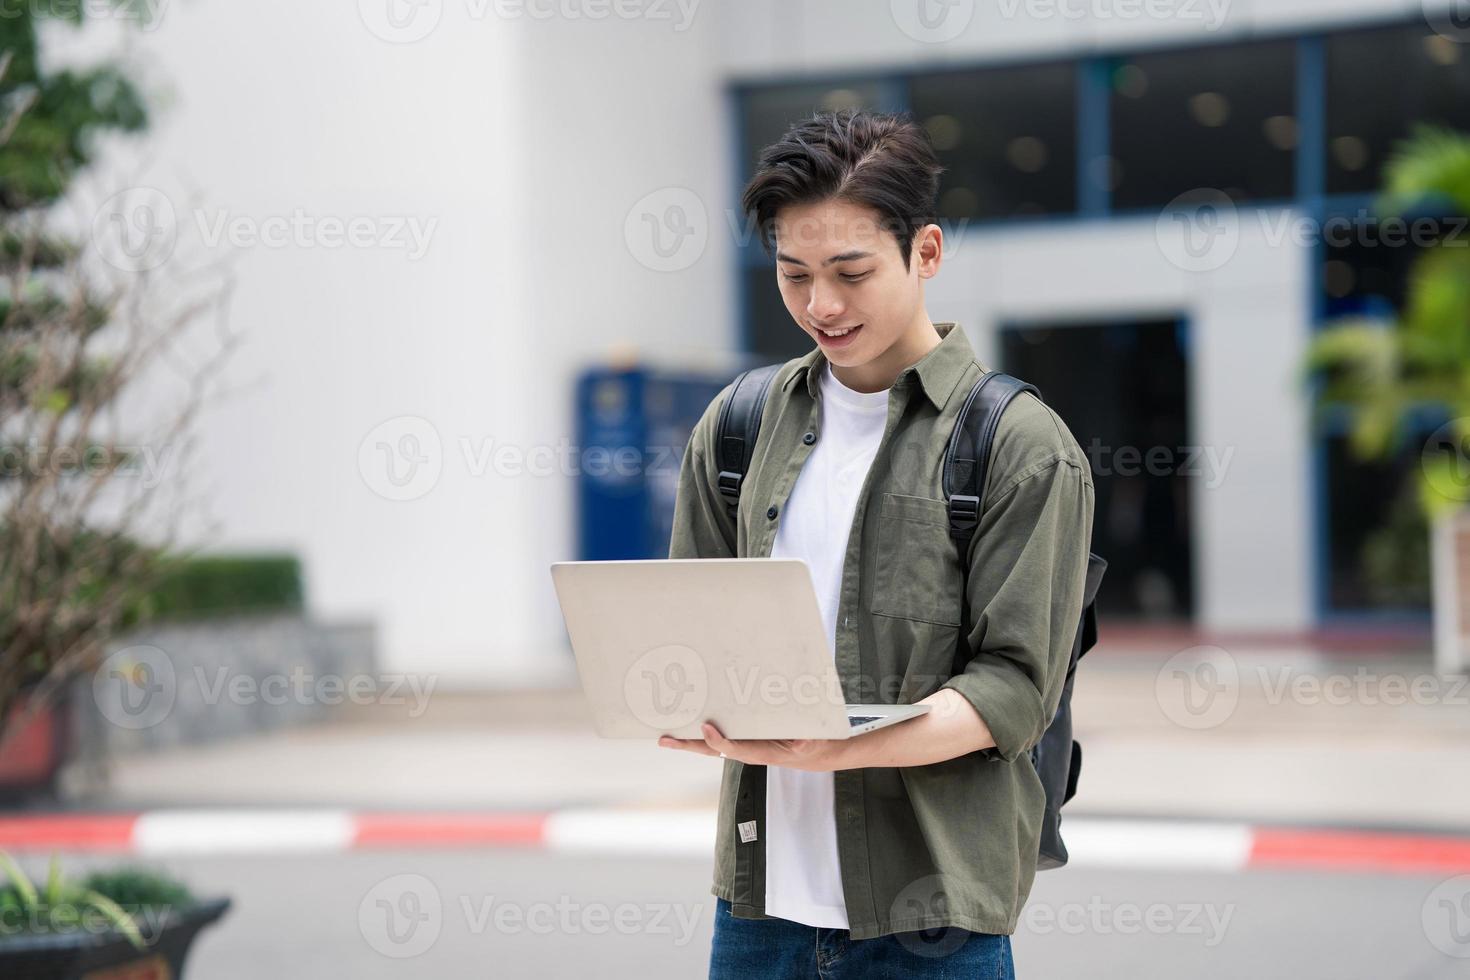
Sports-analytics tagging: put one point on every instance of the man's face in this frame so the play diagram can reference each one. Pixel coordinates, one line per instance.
(838, 270)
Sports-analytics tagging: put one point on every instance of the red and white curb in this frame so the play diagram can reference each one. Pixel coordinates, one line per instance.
(1092, 842)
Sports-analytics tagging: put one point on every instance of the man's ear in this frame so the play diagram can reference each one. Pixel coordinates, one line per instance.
(926, 250)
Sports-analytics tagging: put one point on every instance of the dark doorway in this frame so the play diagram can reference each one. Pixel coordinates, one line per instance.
(1123, 390)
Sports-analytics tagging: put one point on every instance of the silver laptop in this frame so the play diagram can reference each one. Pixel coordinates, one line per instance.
(663, 645)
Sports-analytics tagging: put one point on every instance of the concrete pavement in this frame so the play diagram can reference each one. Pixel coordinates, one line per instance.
(1275, 735)
(509, 913)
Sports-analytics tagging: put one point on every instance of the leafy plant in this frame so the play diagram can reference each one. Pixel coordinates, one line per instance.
(190, 587)
(110, 893)
(1395, 557)
(82, 539)
(1388, 372)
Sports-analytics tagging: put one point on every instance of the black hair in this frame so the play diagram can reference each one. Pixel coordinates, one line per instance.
(883, 161)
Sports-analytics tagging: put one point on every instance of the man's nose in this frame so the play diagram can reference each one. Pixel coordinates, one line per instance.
(825, 304)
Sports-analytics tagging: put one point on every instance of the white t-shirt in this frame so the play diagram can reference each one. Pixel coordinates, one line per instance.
(803, 878)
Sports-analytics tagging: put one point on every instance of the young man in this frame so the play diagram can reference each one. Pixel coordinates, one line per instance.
(908, 851)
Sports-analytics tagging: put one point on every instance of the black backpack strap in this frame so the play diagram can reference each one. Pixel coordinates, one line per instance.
(966, 462)
(1057, 756)
(968, 457)
(739, 425)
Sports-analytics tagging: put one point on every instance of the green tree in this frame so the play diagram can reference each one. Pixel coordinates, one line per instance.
(1388, 373)
(75, 566)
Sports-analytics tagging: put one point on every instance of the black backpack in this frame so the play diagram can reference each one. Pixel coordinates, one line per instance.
(1058, 756)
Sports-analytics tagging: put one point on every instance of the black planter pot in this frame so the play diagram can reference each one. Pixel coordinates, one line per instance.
(108, 956)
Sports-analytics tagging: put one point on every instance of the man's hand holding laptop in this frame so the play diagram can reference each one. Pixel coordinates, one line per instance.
(660, 656)
(950, 728)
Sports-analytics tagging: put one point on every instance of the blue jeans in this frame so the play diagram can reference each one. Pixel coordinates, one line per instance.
(778, 949)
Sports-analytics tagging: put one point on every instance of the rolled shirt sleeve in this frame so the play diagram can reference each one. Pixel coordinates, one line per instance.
(1028, 568)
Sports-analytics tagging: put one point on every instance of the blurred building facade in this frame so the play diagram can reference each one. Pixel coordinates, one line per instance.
(1264, 131)
(582, 172)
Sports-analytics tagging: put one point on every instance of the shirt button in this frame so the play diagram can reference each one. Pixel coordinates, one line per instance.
(809, 438)
(771, 512)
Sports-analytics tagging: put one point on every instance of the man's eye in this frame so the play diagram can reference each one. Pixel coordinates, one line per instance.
(855, 277)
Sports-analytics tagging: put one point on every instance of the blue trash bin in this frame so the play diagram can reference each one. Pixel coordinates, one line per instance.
(632, 427)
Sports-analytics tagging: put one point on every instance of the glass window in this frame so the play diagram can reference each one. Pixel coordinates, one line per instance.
(1370, 260)
(1378, 540)
(1123, 390)
(1007, 137)
(1378, 82)
(1221, 117)
(772, 334)
(768, 112)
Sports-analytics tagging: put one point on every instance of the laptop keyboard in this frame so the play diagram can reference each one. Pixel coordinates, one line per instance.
(854, 720)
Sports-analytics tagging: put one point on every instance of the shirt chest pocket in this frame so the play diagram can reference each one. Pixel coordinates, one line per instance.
(917, 575)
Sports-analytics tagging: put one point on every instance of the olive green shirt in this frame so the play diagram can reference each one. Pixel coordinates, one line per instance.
(952, 843)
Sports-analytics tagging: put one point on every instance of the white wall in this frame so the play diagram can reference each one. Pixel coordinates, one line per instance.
(276, 108)
(765, 36)
(1248, 318)
(541, 147)
(627, 131)
(526, 142)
